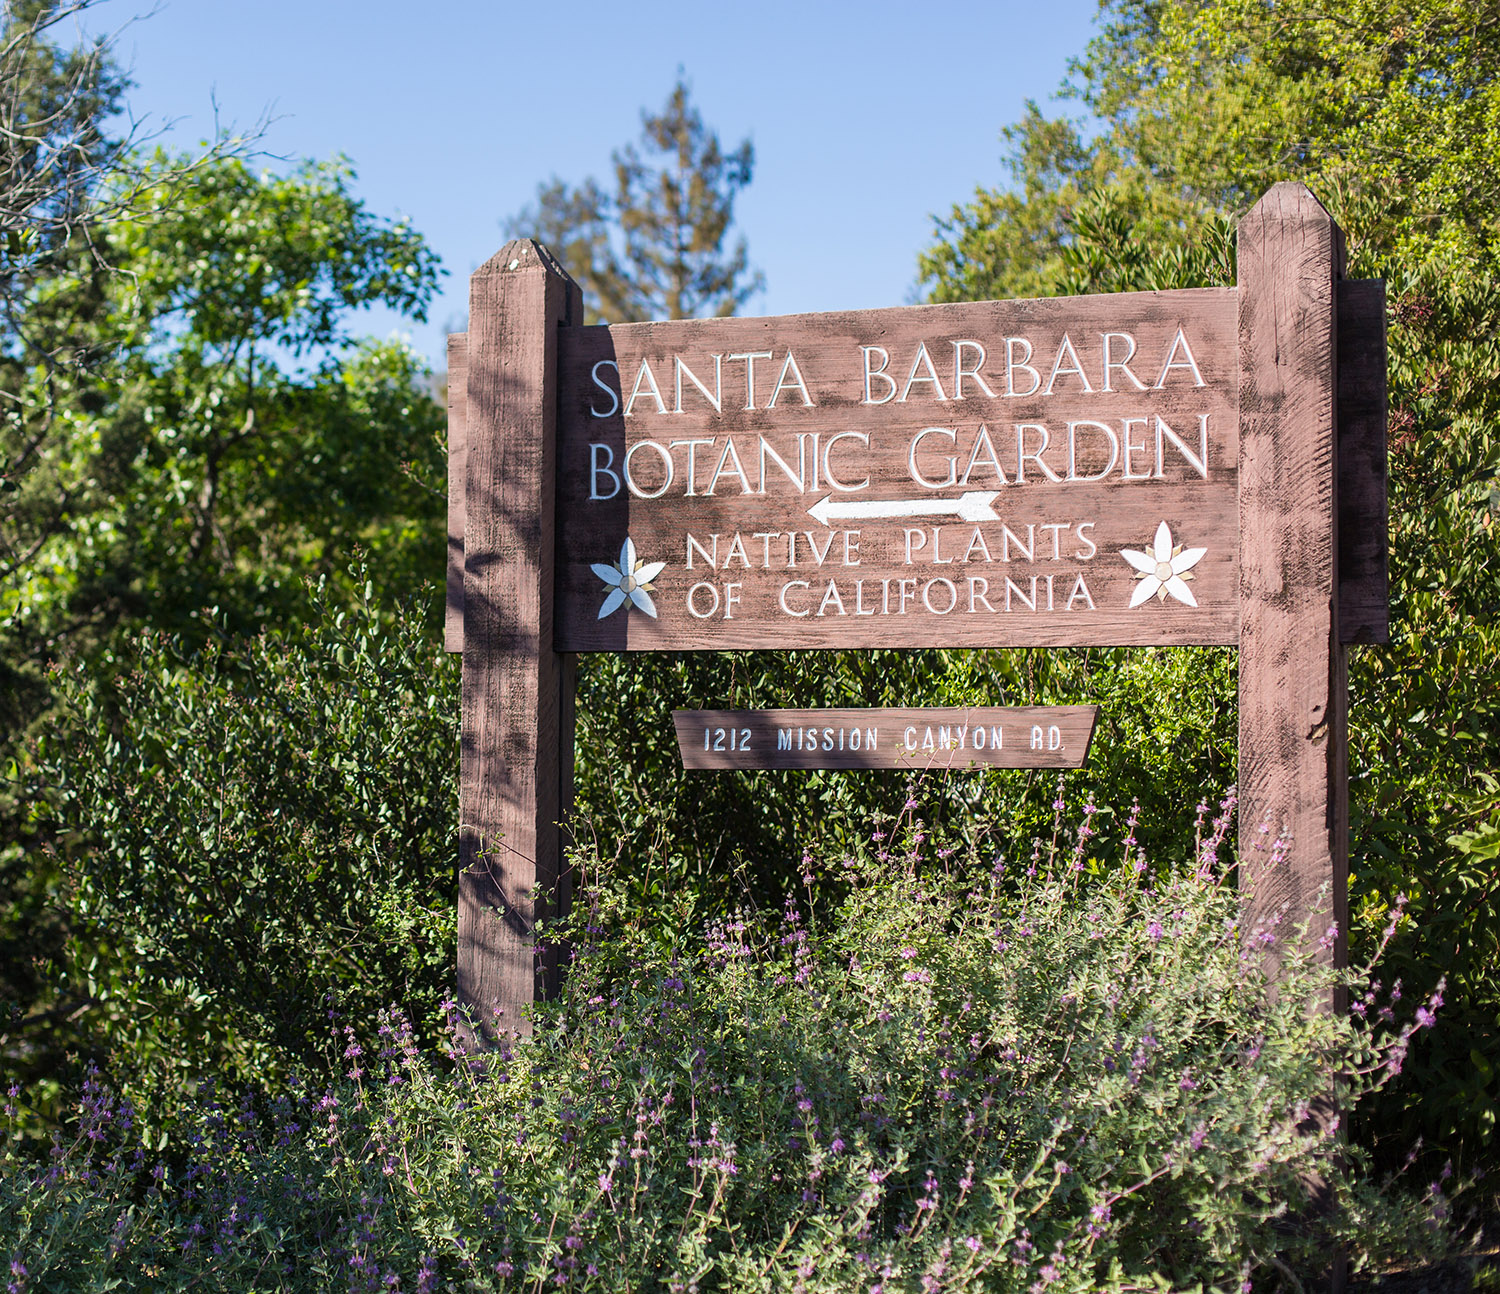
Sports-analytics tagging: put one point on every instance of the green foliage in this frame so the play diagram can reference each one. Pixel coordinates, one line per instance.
(251, 835)
(187, 433)
(1165, 736)
(1014, 242)
(966, 1077)
(1388, 112)
(657, 247)
(256, 261)
(1425, 743)
(196, 469)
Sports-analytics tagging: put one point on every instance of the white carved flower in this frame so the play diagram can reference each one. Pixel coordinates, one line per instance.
(629, 581)
(1164, 569)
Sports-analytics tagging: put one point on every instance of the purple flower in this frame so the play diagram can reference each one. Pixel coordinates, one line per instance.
(1154, 931)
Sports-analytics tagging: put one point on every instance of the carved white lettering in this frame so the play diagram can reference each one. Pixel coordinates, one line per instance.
(1067, 351)
(960, 372)
(1012, 587)
(630, 480)
(645, 376)
(614, 399)
(750, 356)
(951, 459)
(726, 454)
(715, 397)
(927, 596)
(692, 463)
(692, 603)
(1130, 448)
(834, 483)
(711, 556)
(1035, 456)
(598, 469)
(1199, 461)
(1180, 342)
(871, 373)
(791, 378)
(1120, 365)
(1114, 450)
(1013, 365)
(831, 598)
(921, 360)
(984, 445)
(794, 584)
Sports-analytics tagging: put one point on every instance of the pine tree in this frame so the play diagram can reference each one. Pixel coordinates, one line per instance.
(658, 247)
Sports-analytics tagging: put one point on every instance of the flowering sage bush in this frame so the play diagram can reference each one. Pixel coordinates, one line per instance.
(1049, 1072)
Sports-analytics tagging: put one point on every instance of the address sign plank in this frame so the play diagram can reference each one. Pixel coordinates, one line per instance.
(948, 737)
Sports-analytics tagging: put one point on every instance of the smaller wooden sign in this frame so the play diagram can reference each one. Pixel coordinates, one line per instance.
(1037, 736)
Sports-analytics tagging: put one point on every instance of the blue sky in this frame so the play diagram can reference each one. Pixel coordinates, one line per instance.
(867, 119)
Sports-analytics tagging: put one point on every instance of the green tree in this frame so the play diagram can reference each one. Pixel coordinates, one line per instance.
(191, 434)
(657, 247)
(1388, 111)
(244, 467)
(71, 172)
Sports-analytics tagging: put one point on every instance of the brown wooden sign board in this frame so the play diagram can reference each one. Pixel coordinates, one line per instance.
(968, 474)
(943, 737)
(1201, 466)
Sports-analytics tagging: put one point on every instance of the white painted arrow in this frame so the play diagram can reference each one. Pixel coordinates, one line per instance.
(971, 506)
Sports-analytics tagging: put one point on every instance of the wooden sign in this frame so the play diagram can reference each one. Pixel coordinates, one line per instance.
(952, 737)
(1202, 466)
(1060, 472)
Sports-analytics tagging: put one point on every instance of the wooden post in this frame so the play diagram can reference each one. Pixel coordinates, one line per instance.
(1293, 765)
(1293, 761)
(517, 744)
(458, 387)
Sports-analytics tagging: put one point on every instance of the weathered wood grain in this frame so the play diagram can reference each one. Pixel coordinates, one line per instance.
(845, 440)
(1364, 587)
(1292, 687)
(458, 377)
(516, 753)
(952, 737)
(1364, 539)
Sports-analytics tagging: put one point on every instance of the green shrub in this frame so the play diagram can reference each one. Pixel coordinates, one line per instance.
(969, 1074)
(1165, 733)
(248, 832)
